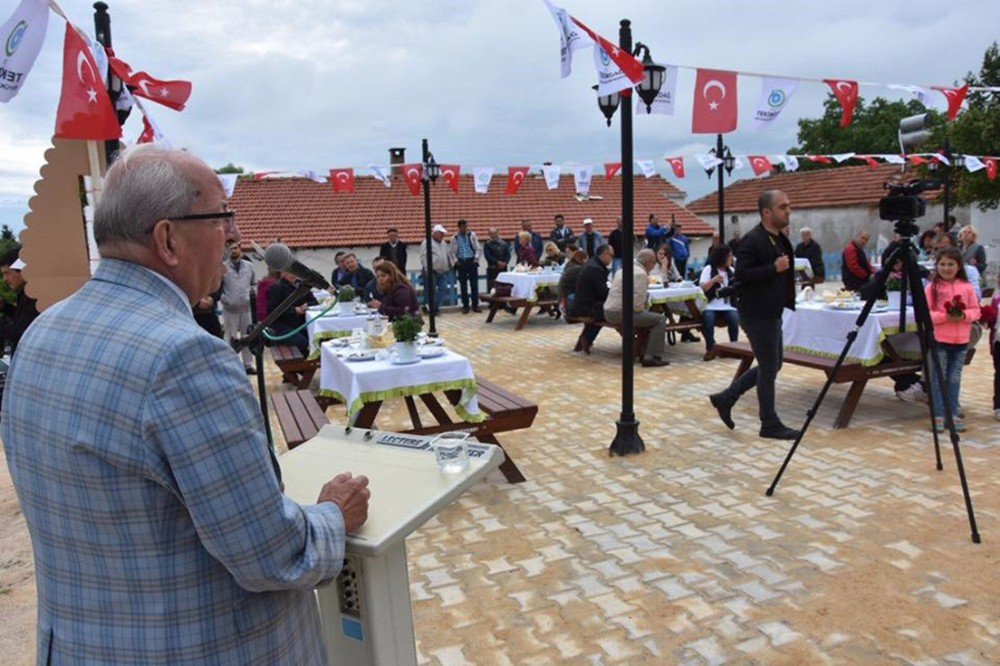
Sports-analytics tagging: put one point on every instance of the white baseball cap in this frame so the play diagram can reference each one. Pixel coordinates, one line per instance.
(439, 229)
(588, 221)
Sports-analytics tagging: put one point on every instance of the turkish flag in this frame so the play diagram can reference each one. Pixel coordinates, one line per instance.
(515, 176)
(450, 173)
(611, 169)
(617, 70)
(85, 110)
(261, 175)
(869, 159)
(991, 167)
(760, 164)
(846, 92)
(413, 174)
(677, 164)
(715, 107)
(819, 159)
(173, 94)
(955, 97)
(916, 159)
(342, 180)
(148, 135)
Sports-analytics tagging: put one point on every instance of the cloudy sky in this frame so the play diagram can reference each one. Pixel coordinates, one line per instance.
(289, 84)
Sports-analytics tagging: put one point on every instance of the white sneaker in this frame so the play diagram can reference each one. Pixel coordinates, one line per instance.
(915, 393)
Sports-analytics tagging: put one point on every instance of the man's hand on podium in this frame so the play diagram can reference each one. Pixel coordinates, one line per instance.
(351, 494)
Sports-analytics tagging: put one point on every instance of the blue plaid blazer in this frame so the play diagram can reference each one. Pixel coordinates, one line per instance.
(137, 450)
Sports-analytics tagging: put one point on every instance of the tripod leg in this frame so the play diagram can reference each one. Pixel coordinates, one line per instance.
(924, 335)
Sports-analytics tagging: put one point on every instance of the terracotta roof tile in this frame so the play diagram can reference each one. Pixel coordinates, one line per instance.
(303, 213)
(818, 188)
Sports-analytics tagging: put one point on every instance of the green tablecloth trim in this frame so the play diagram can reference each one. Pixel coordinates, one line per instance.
(467, 386)
(678, 299)
(322, 337)
(911, 327)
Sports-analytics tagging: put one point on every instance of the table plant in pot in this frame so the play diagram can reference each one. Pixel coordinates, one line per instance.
(893, 285)
(345, 300)
(405, 329)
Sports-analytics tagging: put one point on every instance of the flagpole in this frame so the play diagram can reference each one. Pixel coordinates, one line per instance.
(429, 273)
(102, 31)
(627, 439)
(722, 197)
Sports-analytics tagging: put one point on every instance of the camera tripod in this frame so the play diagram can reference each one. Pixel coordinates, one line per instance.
(906, 253)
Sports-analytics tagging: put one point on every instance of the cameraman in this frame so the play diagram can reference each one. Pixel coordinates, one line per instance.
(767, 287)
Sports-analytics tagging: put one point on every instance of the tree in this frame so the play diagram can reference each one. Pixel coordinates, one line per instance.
(976, 131)
(230, 168)
(6, 233)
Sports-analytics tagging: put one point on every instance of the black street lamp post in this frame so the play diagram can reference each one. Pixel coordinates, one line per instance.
(429, 175)
(102, 31)
(627, 438)
(728, 162)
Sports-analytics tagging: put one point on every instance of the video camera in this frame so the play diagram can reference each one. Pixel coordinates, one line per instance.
(902, 202)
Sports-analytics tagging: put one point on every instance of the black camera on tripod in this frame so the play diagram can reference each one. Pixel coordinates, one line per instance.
(903, 201)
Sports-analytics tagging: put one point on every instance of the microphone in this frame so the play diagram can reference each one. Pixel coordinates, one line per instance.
(278, 257)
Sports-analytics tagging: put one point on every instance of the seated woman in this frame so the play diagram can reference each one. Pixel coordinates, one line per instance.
(665, 268)
(716, 275)
(525, 253)
(398, 295)
(567, 282)
(551, 256)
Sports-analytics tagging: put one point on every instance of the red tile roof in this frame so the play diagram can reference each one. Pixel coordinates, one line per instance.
(818, 188)
(306, 214)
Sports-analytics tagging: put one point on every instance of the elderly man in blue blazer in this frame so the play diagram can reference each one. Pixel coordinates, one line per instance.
(136, 447)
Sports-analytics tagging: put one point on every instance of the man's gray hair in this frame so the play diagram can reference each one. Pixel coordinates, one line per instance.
(806, 230)
(146, 183)
(645, 256)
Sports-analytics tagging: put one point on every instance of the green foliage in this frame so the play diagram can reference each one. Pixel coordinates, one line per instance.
(229, 168)
(346, 294)
(976, 131)
(7, 243)
(6, 233)
(406, 328)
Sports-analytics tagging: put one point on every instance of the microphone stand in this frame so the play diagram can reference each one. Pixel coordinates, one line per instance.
(254, 340)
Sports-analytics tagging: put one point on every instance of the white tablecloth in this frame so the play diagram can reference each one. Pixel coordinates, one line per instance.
(358, 382)
(803, 265)
(526, 285)
(330, 326)
(816, 329)
(676, 297)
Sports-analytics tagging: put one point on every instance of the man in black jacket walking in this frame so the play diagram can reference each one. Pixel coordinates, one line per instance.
(767, 286)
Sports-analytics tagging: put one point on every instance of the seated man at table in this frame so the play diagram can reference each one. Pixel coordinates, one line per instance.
(856, 270)
(810, 249)
(613, 308)
(292, 318)
(590, 294)
(371, 290)
(355, 275)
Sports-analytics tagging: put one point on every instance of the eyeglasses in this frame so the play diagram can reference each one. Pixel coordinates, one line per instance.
(223, 219)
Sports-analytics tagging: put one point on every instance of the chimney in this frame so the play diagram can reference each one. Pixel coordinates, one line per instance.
(397, 156)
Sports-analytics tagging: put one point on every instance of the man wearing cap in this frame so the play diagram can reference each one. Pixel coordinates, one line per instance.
(590, 240)
(440, 265)
(19, 314)
(465, 253)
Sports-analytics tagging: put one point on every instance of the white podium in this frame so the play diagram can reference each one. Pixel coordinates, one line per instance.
(366, 613)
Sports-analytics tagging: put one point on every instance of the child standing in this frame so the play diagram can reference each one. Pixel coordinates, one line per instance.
(953, 307)
(989, 317)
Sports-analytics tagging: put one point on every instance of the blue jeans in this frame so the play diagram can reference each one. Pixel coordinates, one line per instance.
(952, 358)
(708, 317)
(439, 288)
(468, 274)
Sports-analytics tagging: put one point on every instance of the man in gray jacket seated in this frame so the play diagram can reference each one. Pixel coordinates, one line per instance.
(643, 318)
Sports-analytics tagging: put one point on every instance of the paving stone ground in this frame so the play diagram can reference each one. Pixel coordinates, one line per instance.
(676, 555)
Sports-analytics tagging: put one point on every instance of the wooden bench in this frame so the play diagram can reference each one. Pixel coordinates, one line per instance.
(854, 373)
(299, 416)
(549, 306)
(640, 335)
(295, 368)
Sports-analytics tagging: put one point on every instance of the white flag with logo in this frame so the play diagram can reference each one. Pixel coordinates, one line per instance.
(311, 175)
(571, 37)
(842, 157)
(893, 159)
(648, 167)
(791, 162)
(228, 181)
(708, 161)
(738, 162)
(381, 173)
(973, 163)
(919, 92)
(22, 35)
(481, 176)
(774, 96)
(582, 175)
(551, 173)
(664, 102)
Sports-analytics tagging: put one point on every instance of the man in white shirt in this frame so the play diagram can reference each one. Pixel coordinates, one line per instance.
(644, 261)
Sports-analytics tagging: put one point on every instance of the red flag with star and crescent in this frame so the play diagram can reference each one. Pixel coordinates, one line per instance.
(342, 180)
(619, 70)
(173, 94)
(846, 92)
(819, 159)
(611, 169)
(760, 164)
(85, 110)
(412, 174)
(677, 164)
(955, 97)
(516, 176)
(715, 103)
(450, 173)
(991, 167)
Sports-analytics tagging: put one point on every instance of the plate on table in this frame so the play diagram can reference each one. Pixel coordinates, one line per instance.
(845, 306)
(356, 356)
(400, 361)
(431, 352)
(685, 283)
(431, 342)
(340, 342)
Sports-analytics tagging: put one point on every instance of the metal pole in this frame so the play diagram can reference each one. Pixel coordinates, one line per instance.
(947, 184)
(429, 273)
(719, 148)
(627, 438)
(102, 31)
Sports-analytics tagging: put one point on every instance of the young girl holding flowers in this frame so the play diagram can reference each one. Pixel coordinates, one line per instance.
(953, 307)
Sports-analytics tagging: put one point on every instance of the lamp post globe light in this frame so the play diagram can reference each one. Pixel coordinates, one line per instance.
(627, 438)
(429, 175)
